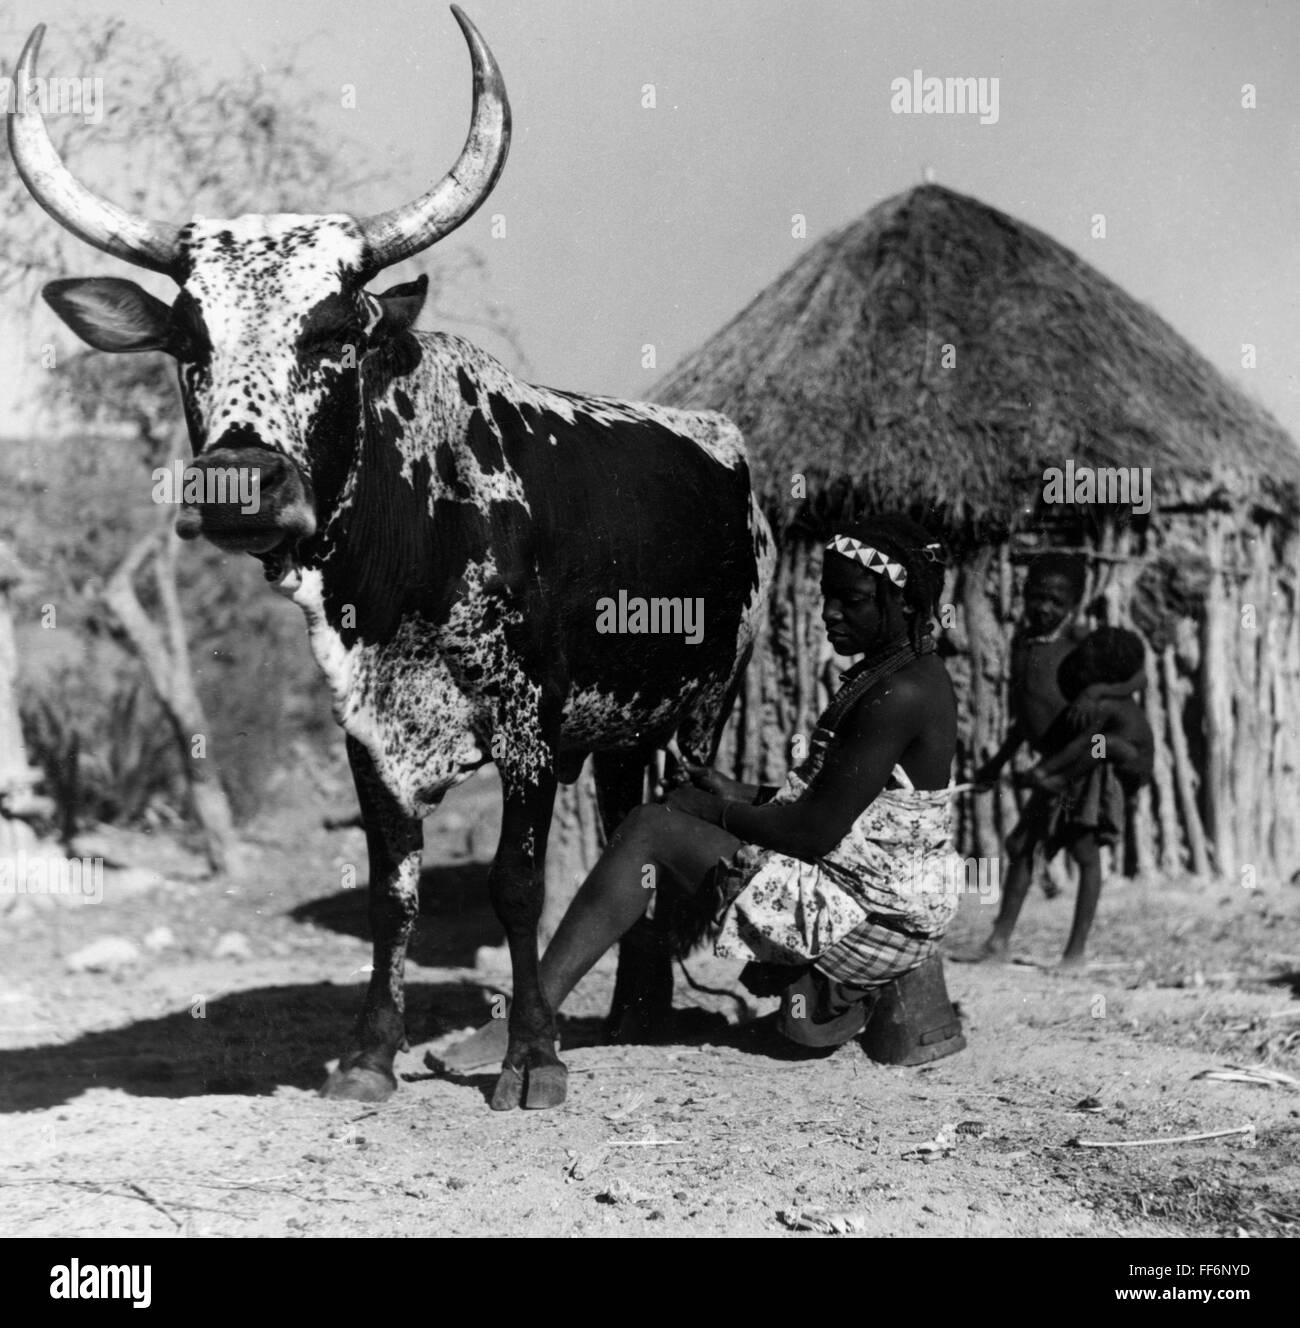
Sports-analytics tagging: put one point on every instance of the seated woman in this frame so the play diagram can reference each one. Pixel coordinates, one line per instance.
(840, 874)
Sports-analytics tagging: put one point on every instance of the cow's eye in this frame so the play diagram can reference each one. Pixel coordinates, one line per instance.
(189, 336)
(332, 345)
(190, 349)
(188, 343)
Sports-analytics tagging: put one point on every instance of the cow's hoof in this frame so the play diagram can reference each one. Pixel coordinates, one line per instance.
(546, 1087)
(535, 1087)
(509, 1089)
(359, 1084)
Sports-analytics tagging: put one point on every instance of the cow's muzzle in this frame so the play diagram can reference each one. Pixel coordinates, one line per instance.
(245, 500)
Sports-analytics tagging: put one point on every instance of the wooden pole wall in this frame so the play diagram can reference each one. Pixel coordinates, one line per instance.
(1218, 686)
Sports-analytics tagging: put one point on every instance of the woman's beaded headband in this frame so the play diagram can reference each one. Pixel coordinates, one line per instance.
(872, 559)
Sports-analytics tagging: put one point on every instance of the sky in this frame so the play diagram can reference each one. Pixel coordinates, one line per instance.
(630, 225)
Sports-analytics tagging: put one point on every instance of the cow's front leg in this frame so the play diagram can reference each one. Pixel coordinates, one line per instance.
(531, 1074)
(394, 841)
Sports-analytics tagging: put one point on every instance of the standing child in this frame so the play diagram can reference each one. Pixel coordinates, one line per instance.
(1082, 788)
(1041, 716)
(1092, 776)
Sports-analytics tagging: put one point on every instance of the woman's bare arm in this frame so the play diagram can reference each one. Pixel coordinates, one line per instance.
(874, 737)
(714, 781)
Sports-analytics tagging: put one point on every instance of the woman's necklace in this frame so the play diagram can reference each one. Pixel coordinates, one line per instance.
(854, 684)
(867, 672)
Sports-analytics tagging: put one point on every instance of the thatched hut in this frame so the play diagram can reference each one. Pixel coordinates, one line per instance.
(939, 357)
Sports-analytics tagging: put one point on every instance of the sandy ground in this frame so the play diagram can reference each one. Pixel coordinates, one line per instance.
(175, 1095)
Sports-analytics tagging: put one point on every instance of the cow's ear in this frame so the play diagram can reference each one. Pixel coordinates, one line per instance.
(402, 305)
(111, 314)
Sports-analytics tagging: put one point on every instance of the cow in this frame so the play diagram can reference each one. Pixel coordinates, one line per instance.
(455, 537)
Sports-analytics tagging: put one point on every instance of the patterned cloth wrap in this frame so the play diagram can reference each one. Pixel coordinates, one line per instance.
(875, 906)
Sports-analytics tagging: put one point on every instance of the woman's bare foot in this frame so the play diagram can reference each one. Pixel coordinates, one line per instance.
(993, 950)
(641, 1010)
(640, 1023)
(483, 1049)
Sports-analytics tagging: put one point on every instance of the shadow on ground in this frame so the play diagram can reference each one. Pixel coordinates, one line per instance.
(252, 1042)
(1289, 980)
(456, 916)
(249, 1042)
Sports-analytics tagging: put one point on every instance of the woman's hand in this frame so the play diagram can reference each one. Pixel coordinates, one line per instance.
(695, 802)
(713, 781)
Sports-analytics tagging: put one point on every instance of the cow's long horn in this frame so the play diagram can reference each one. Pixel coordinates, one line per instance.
(403, 231)
(146, 243)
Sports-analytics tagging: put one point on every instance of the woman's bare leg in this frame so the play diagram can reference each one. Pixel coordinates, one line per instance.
(653, 847)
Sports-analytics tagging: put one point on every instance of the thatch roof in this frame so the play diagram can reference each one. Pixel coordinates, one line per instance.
(836, 371)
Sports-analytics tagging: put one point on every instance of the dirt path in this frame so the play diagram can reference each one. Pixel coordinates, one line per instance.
(127, 1114)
